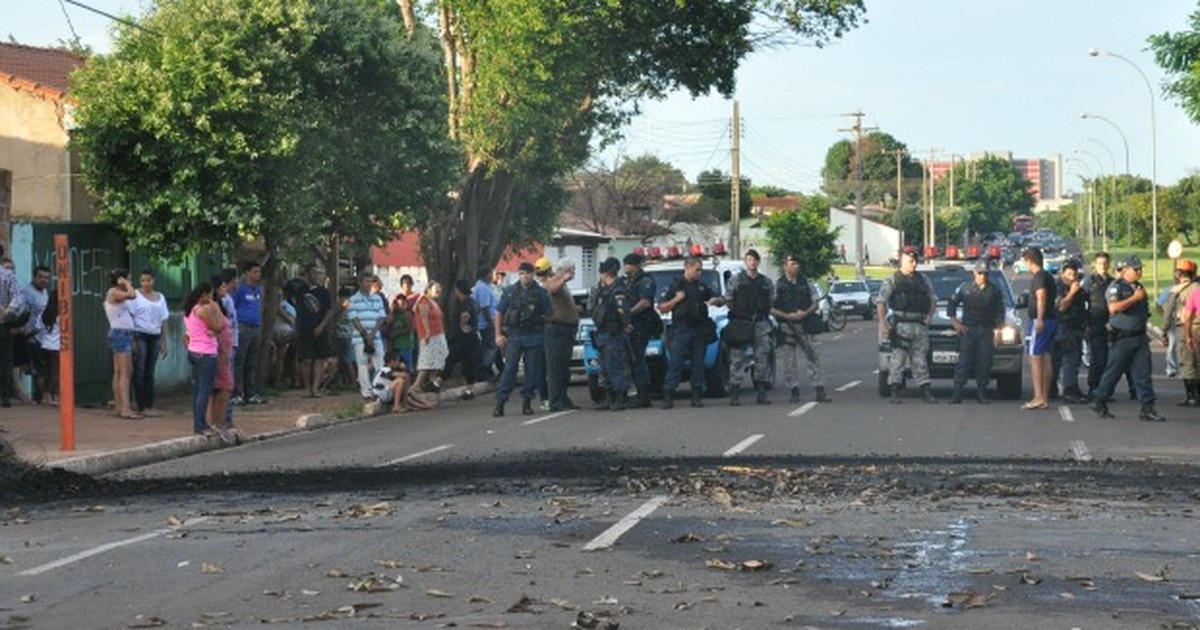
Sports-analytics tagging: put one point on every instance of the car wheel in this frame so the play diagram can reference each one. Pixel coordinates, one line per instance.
(1009, 386)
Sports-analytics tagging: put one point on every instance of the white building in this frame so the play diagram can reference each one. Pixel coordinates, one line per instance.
(880, 241)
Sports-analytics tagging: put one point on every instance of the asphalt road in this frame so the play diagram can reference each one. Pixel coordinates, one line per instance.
(850, 514)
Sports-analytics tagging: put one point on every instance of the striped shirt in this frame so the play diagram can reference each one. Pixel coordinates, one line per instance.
(367, 309)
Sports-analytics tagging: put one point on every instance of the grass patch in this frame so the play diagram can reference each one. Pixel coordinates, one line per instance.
(346, 411)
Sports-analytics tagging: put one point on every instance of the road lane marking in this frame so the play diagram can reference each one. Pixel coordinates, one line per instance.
(1080, 450)
(610, 535)
(406, 458)
(835, 337)
(1066, 414)
(95, 551)
(547, 417)
(802, 409)
(743, 445)
(850, 385)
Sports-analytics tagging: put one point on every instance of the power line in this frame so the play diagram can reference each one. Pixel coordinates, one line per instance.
(70, 25)
(111, 16)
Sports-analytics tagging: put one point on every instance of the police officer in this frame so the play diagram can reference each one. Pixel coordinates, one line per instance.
(520, 319)
(982, 311)
(912, 300)
(647, 324)
(748, 295)
(1067, 355)
(610, 313)
(1128, 308)
(793, 306)
(690, 327)
(1173, 322)
(1095, 286)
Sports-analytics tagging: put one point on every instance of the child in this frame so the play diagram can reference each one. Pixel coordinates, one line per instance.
(391, 386)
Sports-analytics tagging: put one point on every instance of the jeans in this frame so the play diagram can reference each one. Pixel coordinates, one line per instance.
(1172, 351)
(204, 373)
(487, 345)
(685, 343)
(145, 359)
(364, 362)
(245, 366)
(1065, 362)
(560, 340)
(527, 348)
(614, 360)
(640, 370)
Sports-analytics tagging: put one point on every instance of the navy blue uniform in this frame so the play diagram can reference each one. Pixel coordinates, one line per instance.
(1129, 347)
(646, 325)
(982, 312)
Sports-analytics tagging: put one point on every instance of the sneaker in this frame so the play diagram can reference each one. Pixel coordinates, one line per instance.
(237, 401)
(545, 406)
(468, 395)
(257, 400)
(226, 436)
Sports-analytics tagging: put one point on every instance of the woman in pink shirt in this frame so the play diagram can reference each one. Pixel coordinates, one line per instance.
(203, 320)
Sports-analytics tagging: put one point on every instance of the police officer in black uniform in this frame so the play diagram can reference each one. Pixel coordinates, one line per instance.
(1095, 285)
(982, 311)
(1129, 346)
(1068, 341)
(647, 324)
(690, 328)
(610, 313)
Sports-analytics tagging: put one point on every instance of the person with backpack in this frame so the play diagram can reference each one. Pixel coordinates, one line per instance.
(520, 319)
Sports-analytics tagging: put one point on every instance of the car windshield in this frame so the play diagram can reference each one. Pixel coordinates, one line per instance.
(874, 285)
(848, 287)
(946, 281)
(664, 278)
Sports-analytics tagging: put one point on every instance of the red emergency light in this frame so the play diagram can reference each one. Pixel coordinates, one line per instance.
(697, 250)
(673, 252)
(656, 252)
(718, 249)
(640, 251)
(952, 251)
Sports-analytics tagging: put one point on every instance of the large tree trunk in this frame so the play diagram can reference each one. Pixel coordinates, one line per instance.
(270, 308)
(474, 231)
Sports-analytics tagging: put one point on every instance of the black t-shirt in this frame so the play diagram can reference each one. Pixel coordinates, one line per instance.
(693, 309)
(1042, 280)
(314, 304)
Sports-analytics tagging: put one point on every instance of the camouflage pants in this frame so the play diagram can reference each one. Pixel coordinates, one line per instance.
(910, 345)
(750, 363)
(789, 354)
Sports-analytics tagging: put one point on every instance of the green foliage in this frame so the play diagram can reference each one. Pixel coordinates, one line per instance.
(771, 192)
(1179, 55)
(716, 190)
(285, 120)
(987, 196)
(804, 232)
(911, 221)
(878, 172)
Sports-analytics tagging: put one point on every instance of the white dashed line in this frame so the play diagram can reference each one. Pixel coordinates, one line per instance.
(610, 535)
(847, 386)
(546, 417)
(94, 551)
(802, 409)
(1080, 451)
(743, 445)
(835, 337)
(1066, 414)
(406, 458)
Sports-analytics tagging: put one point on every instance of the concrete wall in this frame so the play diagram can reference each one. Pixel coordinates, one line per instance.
(32, 146)
(880, 241)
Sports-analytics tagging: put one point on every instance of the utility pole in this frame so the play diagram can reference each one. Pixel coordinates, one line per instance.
(857, 129)
(930, 236)
(735, 193)
(899, 155)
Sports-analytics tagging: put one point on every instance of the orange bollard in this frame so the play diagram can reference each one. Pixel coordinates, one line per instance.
(66, 353)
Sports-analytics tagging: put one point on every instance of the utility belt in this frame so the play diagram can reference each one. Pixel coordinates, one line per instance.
(755, 319)
(1115, 334)
(909, 316)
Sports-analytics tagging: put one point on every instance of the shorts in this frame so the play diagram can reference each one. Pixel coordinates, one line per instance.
(120, 340)
(1043, 343)
(314, 348)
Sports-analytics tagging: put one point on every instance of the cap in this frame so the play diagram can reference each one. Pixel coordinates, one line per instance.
(1185, 265)
(753, 253)
(1130, 261)
(542, 265)
(610, 265)
(980, 266)
(634, 259)
(527, 267)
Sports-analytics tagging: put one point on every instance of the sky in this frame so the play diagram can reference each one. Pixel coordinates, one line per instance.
(957, 76)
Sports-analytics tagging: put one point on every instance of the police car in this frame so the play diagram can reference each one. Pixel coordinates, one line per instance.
(1007, 362)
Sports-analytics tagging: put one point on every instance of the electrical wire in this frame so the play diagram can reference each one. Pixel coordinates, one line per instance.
(74, 36)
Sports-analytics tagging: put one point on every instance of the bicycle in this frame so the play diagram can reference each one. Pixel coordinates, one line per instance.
(834, 318)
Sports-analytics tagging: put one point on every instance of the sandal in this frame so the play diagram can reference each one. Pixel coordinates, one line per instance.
(130, 416)
(1033, 407)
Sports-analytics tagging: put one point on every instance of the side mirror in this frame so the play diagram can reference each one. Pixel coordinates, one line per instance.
(1023, 300)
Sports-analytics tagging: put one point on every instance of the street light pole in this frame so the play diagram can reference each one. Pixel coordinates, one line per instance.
(1128, 211)
(1111, 190)
(1091, 215)
(1153, 158)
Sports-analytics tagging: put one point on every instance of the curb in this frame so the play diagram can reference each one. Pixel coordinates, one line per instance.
(105, 463)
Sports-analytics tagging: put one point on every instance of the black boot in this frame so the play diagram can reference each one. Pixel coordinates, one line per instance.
(1150, 414)
(498, 412)
(761, 390)
(697, 401)
(930, 399)
(620, 401)
(981, 395)
(605, 402)
(1190, 388)
(1101, 409)
(643, 399)
(795, 397)
(956, 397)
(822, 396)
(1073, 396)
(526, 407)
(668, 399)
(735, 395)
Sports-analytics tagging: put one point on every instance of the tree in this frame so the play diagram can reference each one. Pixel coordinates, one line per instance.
(622, 197)
(769, 191)
(716, 192)
(531, 83)
(804, 232)
(878, 172)
(1179, 55)
(987, 196)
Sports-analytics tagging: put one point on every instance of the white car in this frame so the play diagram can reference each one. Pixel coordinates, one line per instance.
(852, 297)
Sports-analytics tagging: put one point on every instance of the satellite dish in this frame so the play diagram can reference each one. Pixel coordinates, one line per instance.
(1175, 249)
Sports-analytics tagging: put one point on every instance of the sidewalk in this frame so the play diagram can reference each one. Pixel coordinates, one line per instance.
(104, 442)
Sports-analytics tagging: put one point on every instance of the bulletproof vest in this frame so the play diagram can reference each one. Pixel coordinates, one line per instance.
(1132, 319)
(793, 296)
(752, 297)
(692, 310)
(609, 302)
(977, 304)
(910, 294)
(1096, 286)
(1076, 314)
(522, 313)
(636, 285)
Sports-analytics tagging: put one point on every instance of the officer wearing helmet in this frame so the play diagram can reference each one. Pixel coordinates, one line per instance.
(1067, 353)
(1128, 347)
(1176, 325)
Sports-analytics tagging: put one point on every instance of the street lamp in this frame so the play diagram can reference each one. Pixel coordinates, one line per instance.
(1091, 216)
(1111, 188)
(1128, 211)
(1090, 190)
(1153, 158)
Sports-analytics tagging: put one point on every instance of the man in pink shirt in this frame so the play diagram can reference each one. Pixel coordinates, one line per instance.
(1189, 354)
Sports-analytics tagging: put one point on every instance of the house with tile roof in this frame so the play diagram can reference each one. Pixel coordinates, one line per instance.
(38, 174)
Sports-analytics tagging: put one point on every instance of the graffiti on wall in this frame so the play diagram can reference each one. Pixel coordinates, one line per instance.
(89, 268)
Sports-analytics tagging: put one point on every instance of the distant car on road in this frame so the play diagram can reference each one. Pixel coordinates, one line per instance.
(852, 297)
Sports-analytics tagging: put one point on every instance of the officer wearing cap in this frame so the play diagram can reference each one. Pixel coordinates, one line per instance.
(982, 312)
(749, 331)
(1173, 322)
(796, 312)
(610, 314)
(1067, 354)
(1128, 309)
(910, 296)
(647, 324)
(520, 317)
